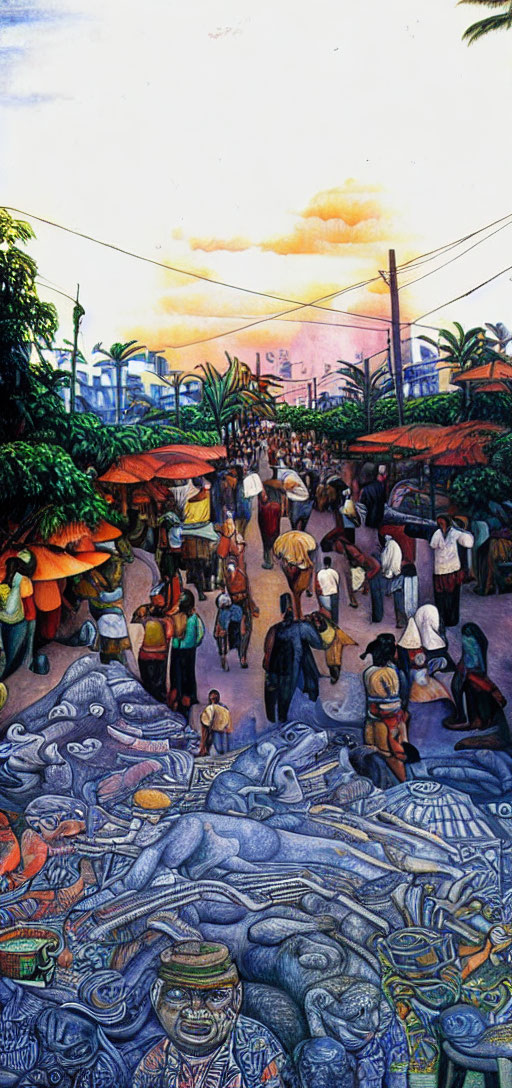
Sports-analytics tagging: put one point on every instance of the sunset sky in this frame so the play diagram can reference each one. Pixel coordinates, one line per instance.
(280, 146)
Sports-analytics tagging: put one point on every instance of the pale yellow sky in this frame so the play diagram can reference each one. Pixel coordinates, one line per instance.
(202, 133)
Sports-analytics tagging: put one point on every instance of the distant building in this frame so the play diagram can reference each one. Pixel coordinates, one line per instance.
(142, 386)
(420, 369)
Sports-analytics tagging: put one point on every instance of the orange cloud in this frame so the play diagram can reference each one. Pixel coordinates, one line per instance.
(349, 215)
(326, 236)
(211, 245)
(341, 203)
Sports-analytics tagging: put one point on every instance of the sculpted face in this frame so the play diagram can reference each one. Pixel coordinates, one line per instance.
(72, 1040)
(300, 743)
(197, 1021)
(344, 1010)
(324, 1063)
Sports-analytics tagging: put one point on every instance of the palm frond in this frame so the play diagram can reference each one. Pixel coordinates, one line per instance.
(487, 26)
(486, 3)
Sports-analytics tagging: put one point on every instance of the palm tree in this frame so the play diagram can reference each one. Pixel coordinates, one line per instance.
(462, 350)
(228, 394)
(499, 20)
(118, 356)
(173, 380)
(459, 350)
(502, 336)
(366, 388)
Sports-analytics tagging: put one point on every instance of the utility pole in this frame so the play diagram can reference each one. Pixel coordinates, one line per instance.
(258, 364)
(368, 391)
(310, 395)
(314, 393)
(78, 313)
(395, 334)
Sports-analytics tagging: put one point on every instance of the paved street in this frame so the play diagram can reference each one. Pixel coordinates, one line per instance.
(242, 690)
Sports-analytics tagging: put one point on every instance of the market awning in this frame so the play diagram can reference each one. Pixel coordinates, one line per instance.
(133, 468)
(460, 444)
(53, 563)
(184, 470)
(495, 376)
(207, 453)
(136, 468)
(76, 532)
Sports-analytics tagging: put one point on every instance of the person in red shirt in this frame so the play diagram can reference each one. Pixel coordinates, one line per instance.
(269, 521)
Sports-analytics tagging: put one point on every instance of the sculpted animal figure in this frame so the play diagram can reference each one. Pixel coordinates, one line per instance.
(79, 729)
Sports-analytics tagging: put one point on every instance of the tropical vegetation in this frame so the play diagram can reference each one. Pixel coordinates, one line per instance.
(501, 19)
(230, 395)
(364, 387)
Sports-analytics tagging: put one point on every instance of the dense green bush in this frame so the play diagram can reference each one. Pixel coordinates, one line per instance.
(43, 480)
(473, 488)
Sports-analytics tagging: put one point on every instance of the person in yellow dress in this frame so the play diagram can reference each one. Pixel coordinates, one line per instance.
(334, 641)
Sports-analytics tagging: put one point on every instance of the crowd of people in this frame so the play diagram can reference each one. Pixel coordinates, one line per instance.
(184, 908)
(193, 534)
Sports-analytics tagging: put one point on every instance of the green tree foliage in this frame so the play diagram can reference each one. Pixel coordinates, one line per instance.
(41, 482)
(25, 322)
(229, 394)
(472, 488)
(367, 389)
(443, 408)
(501, 19)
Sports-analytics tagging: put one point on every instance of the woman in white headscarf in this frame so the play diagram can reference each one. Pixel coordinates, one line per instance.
(423, 650)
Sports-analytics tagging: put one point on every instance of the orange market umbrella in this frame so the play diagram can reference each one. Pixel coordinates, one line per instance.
(77, 532)
(53, 563)
(462, 443)
(413, 438)
(184, 470)
(132, 468)
(197, 452)
(494, 377)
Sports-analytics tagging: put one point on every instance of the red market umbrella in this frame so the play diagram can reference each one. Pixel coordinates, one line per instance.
(132, 468)
(463, 445)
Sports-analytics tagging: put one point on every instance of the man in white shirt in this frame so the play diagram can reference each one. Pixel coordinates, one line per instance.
(393, 579)
(328, 589)
(448, 576)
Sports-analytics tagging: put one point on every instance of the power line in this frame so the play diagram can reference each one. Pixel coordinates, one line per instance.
(258, 321)
(55, 290)
(459, 297)
(457, 257)
(450, 245)
(185, 272)
(301, 321)
(316, 303)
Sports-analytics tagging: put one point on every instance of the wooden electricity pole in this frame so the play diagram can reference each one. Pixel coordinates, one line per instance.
(368, 394)
(395, 335)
